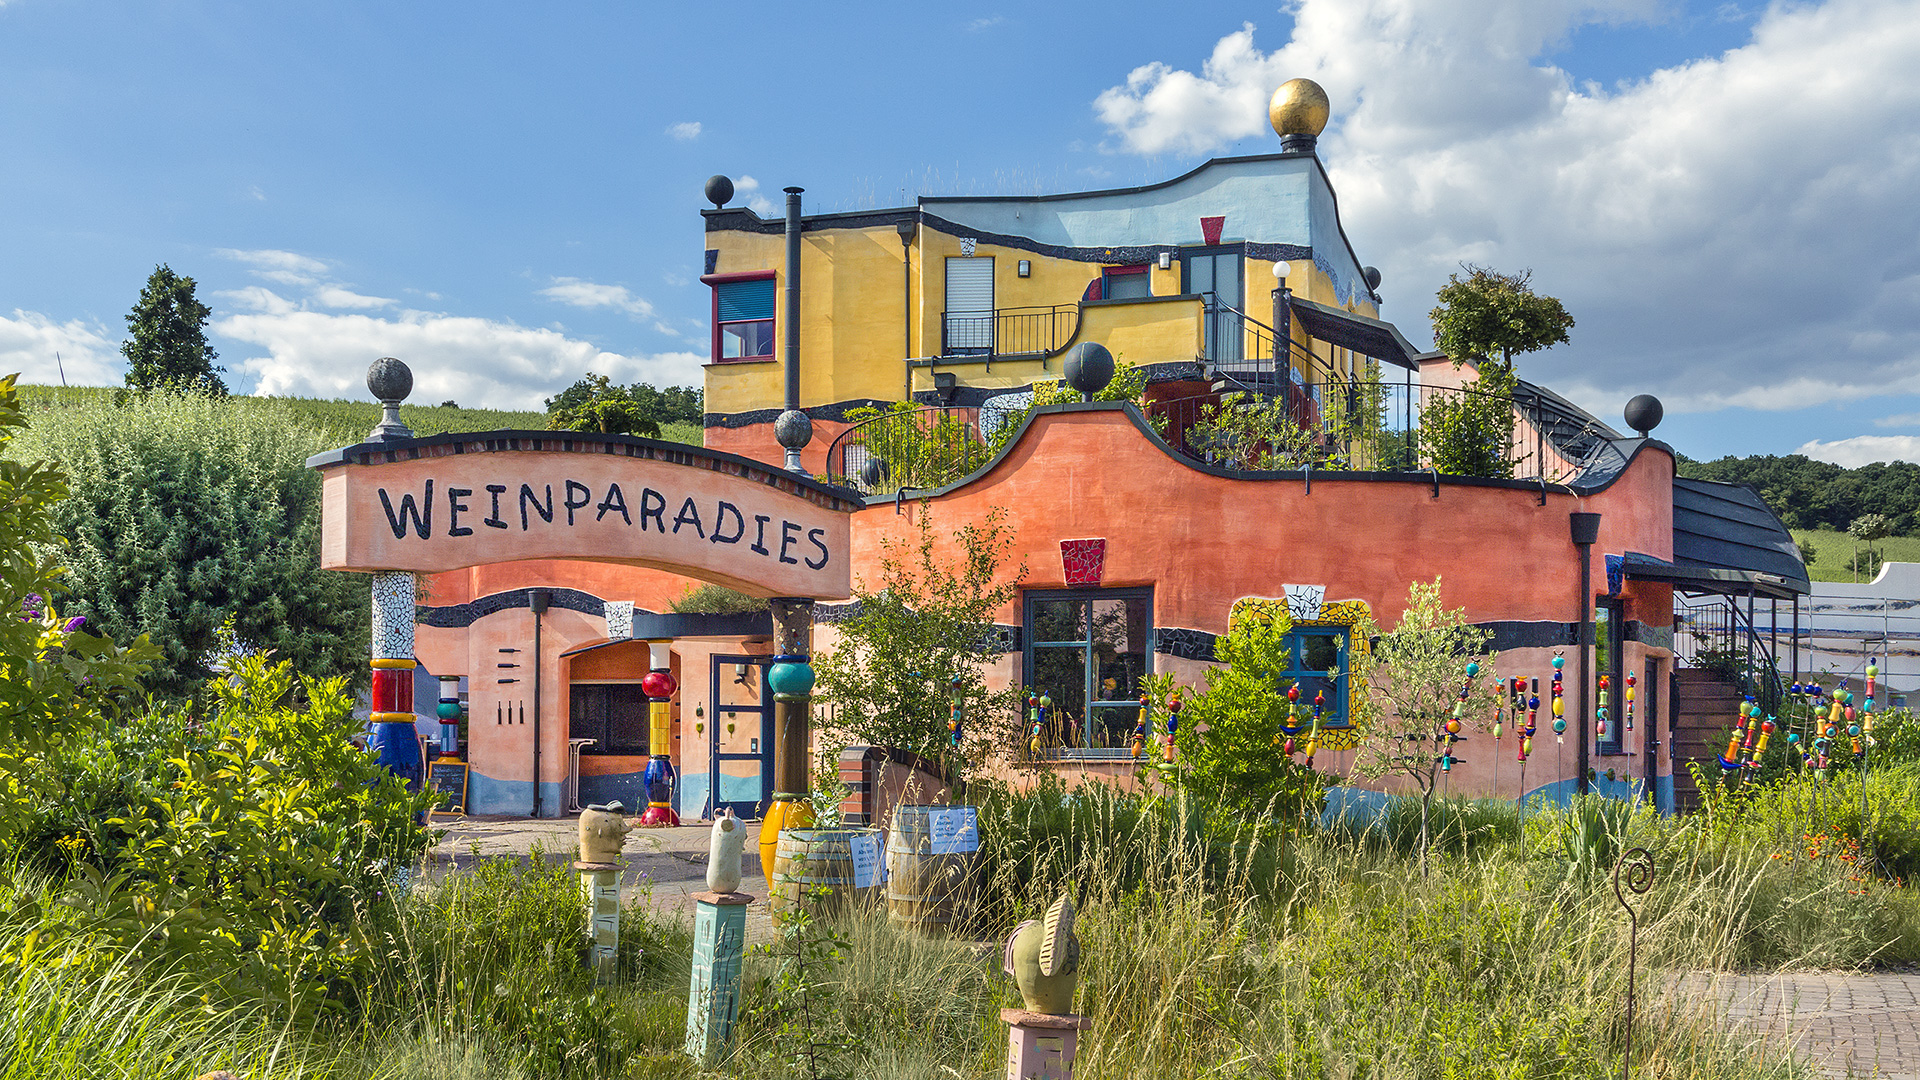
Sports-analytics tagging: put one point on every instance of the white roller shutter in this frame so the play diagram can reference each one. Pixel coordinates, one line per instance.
(969, 304)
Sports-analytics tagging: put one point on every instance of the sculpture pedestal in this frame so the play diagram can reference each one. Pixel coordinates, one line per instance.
(600, 888)
(1041, 1046)
(713, 994)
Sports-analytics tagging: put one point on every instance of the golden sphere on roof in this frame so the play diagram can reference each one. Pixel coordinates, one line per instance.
(1299, 107)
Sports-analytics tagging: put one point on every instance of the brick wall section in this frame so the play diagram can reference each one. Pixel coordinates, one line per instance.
(880, 777)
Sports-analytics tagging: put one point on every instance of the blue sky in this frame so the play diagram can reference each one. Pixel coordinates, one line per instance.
(507, 195)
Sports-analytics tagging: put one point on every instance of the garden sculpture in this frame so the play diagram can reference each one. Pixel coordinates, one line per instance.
(728, 840)
(1559, 703)
(1600, 711)
(1043, 956)
(1173, 725)
(603, 832)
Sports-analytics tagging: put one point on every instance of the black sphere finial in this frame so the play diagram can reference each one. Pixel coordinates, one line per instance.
(1089, 368)
(1372, 274)
(719, 190)
(390, 381)
(1644, 413)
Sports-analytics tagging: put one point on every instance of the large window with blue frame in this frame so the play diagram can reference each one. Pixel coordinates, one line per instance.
(1317, 664)
(1087, 650)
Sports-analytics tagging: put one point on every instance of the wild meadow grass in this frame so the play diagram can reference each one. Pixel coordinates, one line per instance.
(1212, 948)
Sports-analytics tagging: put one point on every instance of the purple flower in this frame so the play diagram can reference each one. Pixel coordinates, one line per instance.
(74, 623)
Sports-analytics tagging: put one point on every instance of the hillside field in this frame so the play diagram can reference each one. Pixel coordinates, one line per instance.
(349, 421)
(1833, 550)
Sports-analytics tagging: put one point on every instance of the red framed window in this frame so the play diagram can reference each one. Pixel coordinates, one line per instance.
(743, 307)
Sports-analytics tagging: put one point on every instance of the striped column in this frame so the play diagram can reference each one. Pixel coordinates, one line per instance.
(393, 664)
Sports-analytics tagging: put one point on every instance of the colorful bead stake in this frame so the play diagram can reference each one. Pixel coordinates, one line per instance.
(1559, 703)
(1173, 724)
(956, 712)
(1600, 711)
(1140, 726)
(1630, 684)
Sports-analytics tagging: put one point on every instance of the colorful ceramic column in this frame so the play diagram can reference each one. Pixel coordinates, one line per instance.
(659, 686)
(449, 712)
(393, 664)
(1559, 703)
(791, 677)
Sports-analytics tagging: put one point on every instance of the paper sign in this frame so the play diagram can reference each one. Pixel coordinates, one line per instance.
(867, 867)
(955, 830)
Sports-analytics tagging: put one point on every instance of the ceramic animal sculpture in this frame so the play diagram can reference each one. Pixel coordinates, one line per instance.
(603, 831)
(723, 854)
(1043, 956)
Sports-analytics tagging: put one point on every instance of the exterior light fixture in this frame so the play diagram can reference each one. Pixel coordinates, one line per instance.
(1281, 270)
(1166, 260)
(1026, 268)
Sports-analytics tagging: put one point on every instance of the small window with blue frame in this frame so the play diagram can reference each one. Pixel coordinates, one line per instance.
(1317, 664)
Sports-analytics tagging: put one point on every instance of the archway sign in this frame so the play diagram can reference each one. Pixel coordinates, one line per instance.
(396, 505)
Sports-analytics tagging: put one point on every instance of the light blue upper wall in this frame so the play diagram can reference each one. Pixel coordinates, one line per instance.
(1265, 201)
(1330, 251)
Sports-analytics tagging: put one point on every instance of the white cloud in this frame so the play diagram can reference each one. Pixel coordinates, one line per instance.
(1864, 450)
(257, 298)
(474, 361)
(686, 132)
(269, 260)
(335, 297)
(746, 187)
(42, 350)
(1735, 230)
(986, 22)
(586, 294)
(1901, 420)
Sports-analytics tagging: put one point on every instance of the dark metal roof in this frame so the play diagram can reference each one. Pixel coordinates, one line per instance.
(1368, 337)
(1728, 527)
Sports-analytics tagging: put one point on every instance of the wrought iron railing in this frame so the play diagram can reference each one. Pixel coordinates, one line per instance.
(1021, 331)
(1715, 634)
(924, 447)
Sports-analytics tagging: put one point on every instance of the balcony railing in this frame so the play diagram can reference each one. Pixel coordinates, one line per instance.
(1021, 331)
(925, 447)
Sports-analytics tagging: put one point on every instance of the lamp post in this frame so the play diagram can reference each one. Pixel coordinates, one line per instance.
(1586, 531)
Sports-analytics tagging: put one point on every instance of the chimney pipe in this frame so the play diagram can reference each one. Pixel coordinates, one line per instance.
(793, 297)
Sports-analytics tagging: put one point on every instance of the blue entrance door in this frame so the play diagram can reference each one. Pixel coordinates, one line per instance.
(740, 736)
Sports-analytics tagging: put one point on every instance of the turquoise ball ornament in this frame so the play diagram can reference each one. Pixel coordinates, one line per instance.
(791, 679)
(1559, 725)
(1473, 669)
(1559, 662)
(448, 711)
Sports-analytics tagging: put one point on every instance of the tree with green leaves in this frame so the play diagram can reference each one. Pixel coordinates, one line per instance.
(1866, 529)
(1487, 318)
(1420, 668)
(168, 348)
(597, 403)
(1233, 740)
(919, 639)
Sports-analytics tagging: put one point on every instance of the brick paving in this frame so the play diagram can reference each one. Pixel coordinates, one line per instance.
(1850, 1024)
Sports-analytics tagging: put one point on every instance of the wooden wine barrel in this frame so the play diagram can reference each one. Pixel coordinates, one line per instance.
(813, 870)
(927, 892)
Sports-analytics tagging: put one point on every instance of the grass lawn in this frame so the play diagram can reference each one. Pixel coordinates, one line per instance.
(1833, 550)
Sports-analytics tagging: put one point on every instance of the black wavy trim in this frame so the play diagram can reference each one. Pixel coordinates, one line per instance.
(459, 615)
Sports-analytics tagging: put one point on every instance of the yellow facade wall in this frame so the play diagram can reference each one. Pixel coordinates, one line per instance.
(854, 320)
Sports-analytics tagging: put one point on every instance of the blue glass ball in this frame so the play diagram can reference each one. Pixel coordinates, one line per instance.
(791, 679)
(1472, 669)
(1559, 662)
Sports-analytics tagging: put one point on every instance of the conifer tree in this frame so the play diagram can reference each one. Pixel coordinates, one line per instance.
(168, 349)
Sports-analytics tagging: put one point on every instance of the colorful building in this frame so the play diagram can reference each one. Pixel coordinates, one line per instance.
(1146, 526)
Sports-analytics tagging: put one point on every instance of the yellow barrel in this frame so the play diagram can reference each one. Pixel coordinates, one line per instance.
(928, 893)
(813, 869)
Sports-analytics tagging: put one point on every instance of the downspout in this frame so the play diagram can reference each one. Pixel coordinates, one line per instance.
(1586, 530)
(792, 335)
(907, 230)
(537, 603)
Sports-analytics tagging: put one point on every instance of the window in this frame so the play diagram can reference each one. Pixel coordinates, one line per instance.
(1124, 282)
(1607, 627)
(614, 715)
(743, 319)
(1313, 651)
(1087, 649)
(967, 323)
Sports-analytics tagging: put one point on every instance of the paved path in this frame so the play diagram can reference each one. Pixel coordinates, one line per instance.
(1851, 1024)
(670, 864)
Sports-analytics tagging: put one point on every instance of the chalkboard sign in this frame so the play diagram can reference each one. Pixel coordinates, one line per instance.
(448, 779)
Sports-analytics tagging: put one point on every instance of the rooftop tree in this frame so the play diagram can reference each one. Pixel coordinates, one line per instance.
(1488, 317)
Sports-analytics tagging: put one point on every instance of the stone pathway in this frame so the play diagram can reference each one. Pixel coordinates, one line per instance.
(669, 864)
(1851, 1024)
